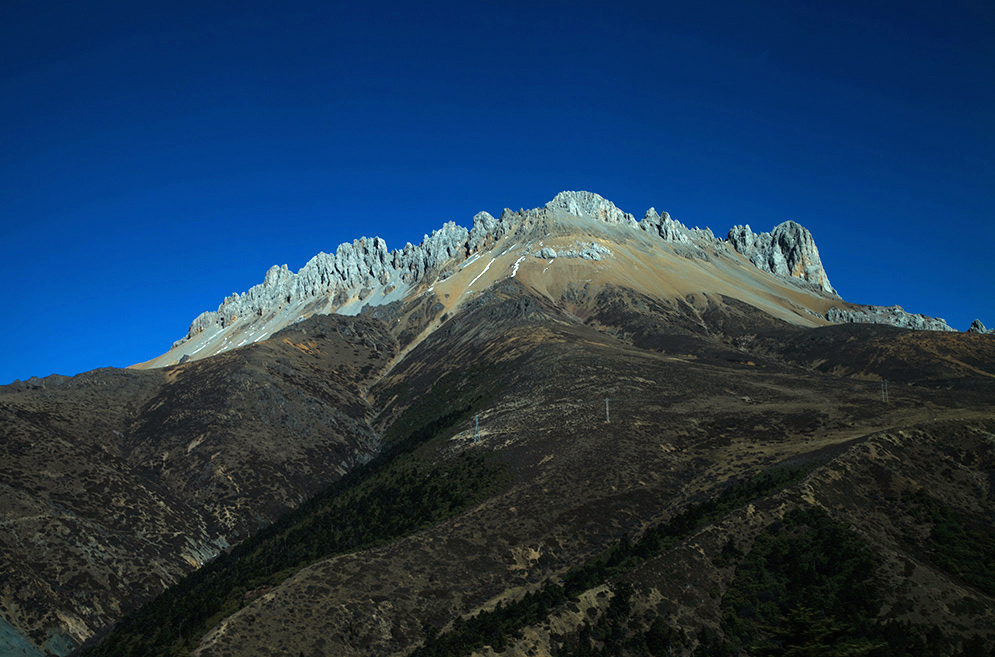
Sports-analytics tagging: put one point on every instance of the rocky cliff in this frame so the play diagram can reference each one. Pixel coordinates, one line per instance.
(789, 250)
(978, 327)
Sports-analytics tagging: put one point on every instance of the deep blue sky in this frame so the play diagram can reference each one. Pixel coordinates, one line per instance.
(156, 157)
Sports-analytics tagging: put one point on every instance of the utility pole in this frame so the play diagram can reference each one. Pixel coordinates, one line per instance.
(607, 416)
(476, 428)
(884, 390)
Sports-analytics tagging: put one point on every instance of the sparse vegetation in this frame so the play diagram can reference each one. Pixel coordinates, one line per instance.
(495, 628)
(959, 544)
(688, 428)
(401, 491)
(807, 587)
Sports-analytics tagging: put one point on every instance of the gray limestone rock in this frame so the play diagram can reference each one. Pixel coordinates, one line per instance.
(442, 245)
(590, 251)
(978, 327)
(893, 316)
(367, 264)
(789, 251)
(485, 228)
(589, 204)
(674, 231)
(365, 272)
(665, 227)
(364, 264)
(594, 251)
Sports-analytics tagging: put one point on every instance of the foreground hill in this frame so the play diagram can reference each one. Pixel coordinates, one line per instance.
(116, 483)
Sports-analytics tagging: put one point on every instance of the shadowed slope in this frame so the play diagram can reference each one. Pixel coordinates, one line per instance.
(117, 482)
(683, 426)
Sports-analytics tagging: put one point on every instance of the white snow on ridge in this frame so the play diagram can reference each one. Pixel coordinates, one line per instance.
(515, 270)
(469, 261)
(481, 273)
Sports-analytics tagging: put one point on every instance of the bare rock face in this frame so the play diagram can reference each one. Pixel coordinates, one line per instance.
(592, 205)
(588, 251)
(365, 273)
(674, 231)
(365, 263)
(894, 316)
(978, 327)
(485, 229)
(789, 250)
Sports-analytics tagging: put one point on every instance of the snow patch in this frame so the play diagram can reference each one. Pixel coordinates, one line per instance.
(515, 270)
(481, 273)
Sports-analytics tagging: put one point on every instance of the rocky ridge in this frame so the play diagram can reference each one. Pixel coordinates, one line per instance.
(893, 316)
(789, 251)
(592, 251)
(978, 327)
(356, 269)
(674, 231)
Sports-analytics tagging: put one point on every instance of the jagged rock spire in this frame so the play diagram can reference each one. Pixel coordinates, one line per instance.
(328, 280)
(789, 250)
(978, 327)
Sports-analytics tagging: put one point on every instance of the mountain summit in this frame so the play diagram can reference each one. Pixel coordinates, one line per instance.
(577, 236)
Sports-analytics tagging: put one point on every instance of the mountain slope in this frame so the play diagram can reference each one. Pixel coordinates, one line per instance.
(685, 425)
(118, 482)
(623, 373)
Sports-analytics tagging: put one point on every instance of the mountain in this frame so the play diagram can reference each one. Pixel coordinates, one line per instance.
(542, 247)
(560, 431)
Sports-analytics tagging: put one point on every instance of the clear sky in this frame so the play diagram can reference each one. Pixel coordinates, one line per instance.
(156, 157)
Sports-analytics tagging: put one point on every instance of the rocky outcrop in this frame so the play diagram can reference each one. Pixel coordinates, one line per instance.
(588, 204)
(978, 327)
(365, 263)
(486, 230)
(789, 251)
(894, 316)
(591, 251)
(674, 231)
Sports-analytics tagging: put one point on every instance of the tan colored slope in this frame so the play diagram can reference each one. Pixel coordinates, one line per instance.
(642, 263)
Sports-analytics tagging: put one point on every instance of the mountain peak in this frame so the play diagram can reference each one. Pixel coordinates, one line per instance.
(591, 205)
(581, 225)
(789, 250)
